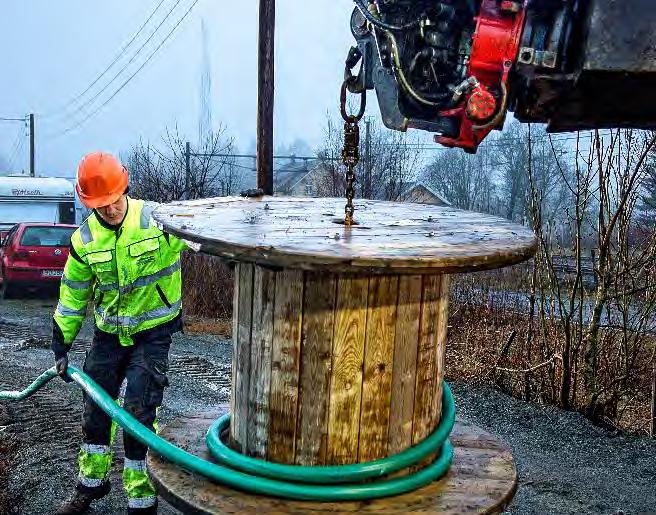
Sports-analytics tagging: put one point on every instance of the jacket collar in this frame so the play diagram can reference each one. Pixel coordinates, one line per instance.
(111, 227)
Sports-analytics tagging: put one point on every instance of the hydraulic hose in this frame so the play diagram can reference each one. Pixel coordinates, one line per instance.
(324, 483)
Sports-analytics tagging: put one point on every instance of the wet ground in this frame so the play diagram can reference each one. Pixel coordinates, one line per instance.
(566, 464)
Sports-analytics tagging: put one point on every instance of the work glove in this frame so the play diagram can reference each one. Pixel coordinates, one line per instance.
(61, 352)
(61, 364)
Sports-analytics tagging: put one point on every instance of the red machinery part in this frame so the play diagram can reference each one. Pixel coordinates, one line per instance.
(481, 105)
(495, 47)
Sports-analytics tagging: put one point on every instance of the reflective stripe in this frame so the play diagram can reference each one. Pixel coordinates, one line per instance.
(76, 285)
(142, 502)
(85, 233)
(146, 212)
(152, 278)
(89, 482)
(68, 312)
(136, 465)
(142, 281)
(107, 287)
(135, 321)
(96, 449)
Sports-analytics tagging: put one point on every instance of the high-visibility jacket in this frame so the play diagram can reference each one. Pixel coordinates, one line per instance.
(132, 273)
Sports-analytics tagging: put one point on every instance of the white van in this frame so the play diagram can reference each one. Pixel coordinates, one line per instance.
(35, 199)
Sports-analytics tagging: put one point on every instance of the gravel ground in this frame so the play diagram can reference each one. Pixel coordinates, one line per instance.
(566, 464)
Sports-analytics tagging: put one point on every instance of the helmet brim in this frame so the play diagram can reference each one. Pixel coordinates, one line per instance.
(105, 200)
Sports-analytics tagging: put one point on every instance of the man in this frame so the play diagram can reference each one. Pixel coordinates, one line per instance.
(131, 270)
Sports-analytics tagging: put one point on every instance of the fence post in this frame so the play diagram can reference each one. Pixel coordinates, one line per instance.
(187, 170)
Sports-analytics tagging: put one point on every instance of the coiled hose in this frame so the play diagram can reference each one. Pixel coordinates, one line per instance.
(323, 483)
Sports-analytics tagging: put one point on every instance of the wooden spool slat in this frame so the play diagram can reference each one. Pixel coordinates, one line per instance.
(317, 340)
(346, 377)
(242, 323)
(405, 363)
(285, 353)
(427, 387)
(378, 367)
(260, 379)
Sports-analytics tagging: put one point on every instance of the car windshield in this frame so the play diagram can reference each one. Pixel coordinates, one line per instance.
(47, 236)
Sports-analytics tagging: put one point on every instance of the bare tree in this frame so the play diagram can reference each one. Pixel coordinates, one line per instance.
(604, 350)
(388, 162)
(160, 174)
(466, 181)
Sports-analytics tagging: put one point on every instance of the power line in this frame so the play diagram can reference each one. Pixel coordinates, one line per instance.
(2, 119)
(18, 143)
(118, 56)
(129, 79)
(91, 100)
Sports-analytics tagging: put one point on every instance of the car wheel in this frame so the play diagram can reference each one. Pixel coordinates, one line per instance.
(5, 288)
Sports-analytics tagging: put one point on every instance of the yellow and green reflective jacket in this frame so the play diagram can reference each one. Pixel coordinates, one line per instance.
(132, 273)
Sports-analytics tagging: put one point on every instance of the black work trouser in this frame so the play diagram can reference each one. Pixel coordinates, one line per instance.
(144, 365)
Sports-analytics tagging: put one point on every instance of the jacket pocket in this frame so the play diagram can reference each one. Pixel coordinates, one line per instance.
(102, 266)
(145, 257)
(162, 296)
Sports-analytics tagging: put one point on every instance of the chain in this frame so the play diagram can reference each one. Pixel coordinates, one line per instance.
(351, 150)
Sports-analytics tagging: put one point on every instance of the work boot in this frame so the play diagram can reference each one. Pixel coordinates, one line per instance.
(151, 510)
(82, 499)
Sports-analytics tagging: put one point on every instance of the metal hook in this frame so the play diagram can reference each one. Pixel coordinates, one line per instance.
(342, 100)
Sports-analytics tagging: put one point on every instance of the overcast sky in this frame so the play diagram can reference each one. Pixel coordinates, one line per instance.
(52, 50)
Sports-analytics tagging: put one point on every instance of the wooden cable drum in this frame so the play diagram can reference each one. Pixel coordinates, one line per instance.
(306, 234)
(339, 333)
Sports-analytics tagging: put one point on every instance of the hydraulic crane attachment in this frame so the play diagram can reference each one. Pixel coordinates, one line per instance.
(455, 67)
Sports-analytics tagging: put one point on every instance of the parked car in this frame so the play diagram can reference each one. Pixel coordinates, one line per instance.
(33, 254)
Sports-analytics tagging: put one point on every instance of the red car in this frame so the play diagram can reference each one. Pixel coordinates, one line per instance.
(33, 254)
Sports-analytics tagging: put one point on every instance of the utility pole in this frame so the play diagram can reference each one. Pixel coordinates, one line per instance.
(187, 170)
(32, 165)
(267, 22)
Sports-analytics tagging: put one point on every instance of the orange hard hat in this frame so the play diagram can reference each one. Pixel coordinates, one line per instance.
(101, 180)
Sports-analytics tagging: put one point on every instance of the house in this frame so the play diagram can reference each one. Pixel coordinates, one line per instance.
(304, 177)
(421, 193)
(294, 178)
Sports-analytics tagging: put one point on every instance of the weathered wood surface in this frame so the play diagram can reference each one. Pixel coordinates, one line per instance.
(260, 371)
(429, 377)
(378, 367)
(482, 479)
(241, 358)
(391, 237)
(405, 363)
(346, 377)
(324, 354)
(285, 355)
(317, 341)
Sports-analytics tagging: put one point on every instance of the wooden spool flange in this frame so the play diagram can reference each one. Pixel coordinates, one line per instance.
(482, 479)
(339, 332)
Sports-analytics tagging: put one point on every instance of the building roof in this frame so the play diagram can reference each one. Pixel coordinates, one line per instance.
(419, 184)
(290, 173)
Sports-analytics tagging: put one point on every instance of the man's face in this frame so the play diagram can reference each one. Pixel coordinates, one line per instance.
(114, 213)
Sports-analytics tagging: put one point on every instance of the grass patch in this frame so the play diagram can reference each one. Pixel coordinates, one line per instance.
(202, 325)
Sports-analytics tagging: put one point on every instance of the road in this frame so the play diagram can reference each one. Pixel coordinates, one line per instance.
(520, 302)
(566, 464)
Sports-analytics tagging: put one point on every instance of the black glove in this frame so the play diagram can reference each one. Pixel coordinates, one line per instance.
(61, 363)
(61, 352)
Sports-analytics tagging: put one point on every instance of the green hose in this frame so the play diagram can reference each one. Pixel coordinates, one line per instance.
(255, 476)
